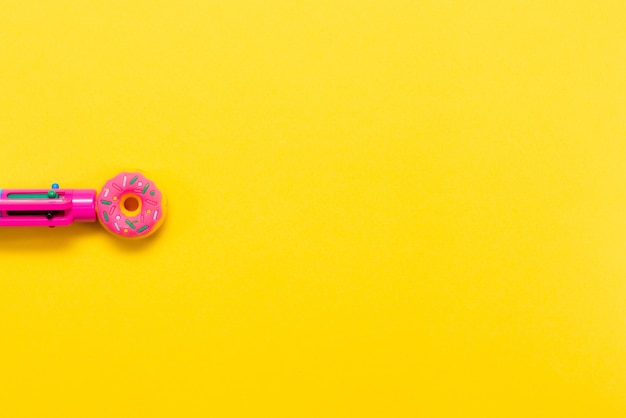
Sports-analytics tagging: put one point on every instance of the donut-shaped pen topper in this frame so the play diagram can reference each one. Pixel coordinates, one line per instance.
(129, 206)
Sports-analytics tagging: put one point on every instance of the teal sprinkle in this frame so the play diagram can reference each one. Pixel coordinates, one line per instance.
(129, 223)
(106, 216)
(145, 189)
(143, 228)
(134, 179)
(105, 202)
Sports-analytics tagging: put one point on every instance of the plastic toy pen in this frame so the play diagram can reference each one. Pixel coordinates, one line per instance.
(54, 207)
(129, 206)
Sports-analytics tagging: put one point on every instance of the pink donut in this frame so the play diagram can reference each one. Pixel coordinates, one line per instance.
(131, 206)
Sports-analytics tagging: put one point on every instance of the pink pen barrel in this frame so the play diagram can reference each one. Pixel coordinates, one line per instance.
(45, 207)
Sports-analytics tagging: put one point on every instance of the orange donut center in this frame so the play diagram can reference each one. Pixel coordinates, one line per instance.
(130, 205)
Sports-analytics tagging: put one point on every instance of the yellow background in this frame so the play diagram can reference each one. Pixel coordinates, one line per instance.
(377, 208)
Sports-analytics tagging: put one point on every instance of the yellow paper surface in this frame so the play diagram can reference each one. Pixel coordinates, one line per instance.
(377, 208)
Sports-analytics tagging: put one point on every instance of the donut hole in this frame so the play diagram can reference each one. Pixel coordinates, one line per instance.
(130, 205)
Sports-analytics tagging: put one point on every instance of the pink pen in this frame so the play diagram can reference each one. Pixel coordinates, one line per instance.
(54, 207)
(129, 206)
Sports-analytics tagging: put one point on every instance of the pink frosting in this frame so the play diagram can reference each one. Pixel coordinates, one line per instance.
(119, 221)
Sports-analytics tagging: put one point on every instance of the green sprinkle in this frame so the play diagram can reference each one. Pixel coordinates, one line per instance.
(52, 194)
(106, 215)
(143, 228)
(134, 180)
(129, 223)
(152, 193)
(105, 202)
(145, 189)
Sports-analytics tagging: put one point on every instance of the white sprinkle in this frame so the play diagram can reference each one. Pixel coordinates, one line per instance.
(139, 184)
(116, 226)
(106, 192)
(112, 211)
(156, 213)
(124, 182)
(118, 217)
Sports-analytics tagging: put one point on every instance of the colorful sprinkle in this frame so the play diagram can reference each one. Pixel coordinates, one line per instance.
(106, 193)
(112, 211)
(106, 215)
(124, 182)
(129, 223)
(149, 211)
(139, 184)
(126, 230)
(143, 228)
(152, 193)
(118, 217)
(141, 217)
(156, 213)
(117, 226)
(152, 202)
(145, 189)
(114, 197)
(106, 202)
(134, 180)
(115, 186)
